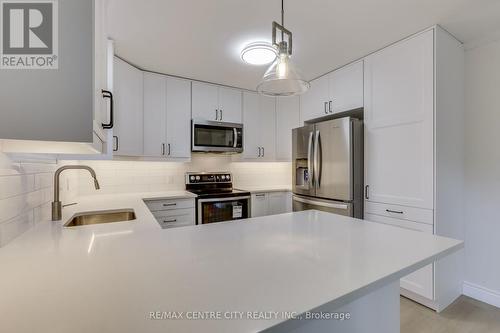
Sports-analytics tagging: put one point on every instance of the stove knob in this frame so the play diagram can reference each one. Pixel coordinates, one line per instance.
(198, 177)
(192, 178)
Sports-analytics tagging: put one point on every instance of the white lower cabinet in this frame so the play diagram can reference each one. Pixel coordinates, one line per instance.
(270, 203)
(421, 281)
(172, 213)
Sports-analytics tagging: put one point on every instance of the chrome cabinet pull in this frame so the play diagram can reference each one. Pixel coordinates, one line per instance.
(163, 149)
(326, 103)
(394, 211)
(259, 152)
(115, 143)
(220, 114)
(263, 152)
(169, 221)
(169, 151)
(170, 204)
(330, 107)
(260, 195)
(216, 114)
(366, 192)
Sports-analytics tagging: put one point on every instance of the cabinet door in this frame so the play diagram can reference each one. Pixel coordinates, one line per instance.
(278, 203)
(155, 111)
(178, 118)
(287, 118)
(251, 123)
(421, 281)
(205, 101)
(229, 105)
(314, 103)
(399, 108)
(128, 86)
(260, 204)
(267, 127)
(346, 88)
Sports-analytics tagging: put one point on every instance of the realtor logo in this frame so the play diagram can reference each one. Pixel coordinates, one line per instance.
(29, 34)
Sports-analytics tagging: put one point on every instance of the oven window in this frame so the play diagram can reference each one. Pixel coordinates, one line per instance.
(220, 211)
(213, 136)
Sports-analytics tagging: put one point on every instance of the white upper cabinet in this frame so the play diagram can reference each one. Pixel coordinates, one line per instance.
(251, 122)
(259, 120)
(167, 105)
(155, 114)
(178, 143)
(339, 91)
(287, 118)
(346, 88)
(205, 101)
(314, 103)
(399, 111)
(56, 110)
(216, 103)
(128, 91)
(229, 105)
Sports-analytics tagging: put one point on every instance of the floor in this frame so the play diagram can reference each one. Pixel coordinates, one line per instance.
(466, 315)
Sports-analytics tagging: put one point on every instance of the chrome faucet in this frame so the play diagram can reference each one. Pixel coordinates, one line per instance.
(56, 204)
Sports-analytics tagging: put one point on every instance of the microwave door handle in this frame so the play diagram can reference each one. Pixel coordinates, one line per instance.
(310, 160)
(318, 158)
(235, 131)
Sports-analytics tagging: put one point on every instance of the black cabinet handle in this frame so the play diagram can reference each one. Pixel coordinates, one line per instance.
(220, 114)
(169, 221)
(366, 192)
(115, 146)
(109, 94)
(330, 107)
(169, 205)
(169, 151)
(216, 114)
(394, 211)
(326, 103)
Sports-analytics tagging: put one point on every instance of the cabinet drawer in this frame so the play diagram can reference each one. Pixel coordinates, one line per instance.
(400, 212)
(158, 205)
(175, 217)
(173, 212)
(420, 282)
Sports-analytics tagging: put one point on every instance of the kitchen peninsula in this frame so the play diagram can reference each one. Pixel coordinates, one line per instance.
(128, 276)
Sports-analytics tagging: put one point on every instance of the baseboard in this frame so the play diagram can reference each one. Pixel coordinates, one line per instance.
(482, 294)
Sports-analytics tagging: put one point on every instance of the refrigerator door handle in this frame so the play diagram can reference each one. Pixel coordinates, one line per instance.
(318, 159)
(310, 161)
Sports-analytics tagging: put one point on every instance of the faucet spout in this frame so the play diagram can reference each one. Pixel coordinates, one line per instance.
(56, 204)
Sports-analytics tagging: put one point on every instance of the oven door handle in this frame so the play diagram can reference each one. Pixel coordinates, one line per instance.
(223, 199)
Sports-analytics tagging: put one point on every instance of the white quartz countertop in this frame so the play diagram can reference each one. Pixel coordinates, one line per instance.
(110, 277)
(260, 189)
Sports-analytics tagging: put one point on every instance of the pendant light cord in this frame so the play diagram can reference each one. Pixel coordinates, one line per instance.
(282, 19)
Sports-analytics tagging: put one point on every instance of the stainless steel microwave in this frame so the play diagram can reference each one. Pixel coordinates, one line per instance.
(216, 137)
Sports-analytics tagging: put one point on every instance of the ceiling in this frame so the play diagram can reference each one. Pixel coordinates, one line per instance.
(202, 39)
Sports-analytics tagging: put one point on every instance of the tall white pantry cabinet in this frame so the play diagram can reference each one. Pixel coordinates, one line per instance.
(414, 125)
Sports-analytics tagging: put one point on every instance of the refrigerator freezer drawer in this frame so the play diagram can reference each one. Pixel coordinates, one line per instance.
(304, 203)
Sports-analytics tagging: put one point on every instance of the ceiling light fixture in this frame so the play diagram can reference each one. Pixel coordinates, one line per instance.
(282, 78)
(258, 53)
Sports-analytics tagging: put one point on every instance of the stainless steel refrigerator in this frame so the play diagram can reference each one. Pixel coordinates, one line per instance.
(328, 167)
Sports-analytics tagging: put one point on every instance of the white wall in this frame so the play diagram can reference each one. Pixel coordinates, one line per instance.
(482, 172)
(144, 176)
(26, 191)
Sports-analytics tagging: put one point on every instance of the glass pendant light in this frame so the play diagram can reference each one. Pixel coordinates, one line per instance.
(282, 78)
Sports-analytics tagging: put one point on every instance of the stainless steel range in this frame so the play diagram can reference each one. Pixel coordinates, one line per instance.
(216, 200)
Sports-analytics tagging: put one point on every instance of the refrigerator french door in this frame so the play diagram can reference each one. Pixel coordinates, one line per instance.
(328, 167)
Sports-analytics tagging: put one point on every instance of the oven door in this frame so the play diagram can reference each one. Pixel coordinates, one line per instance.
(222, 209)
(212, 136)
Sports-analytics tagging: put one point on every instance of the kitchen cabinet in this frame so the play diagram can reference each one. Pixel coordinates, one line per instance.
(167, 105)
(414, 121)
(173, 213)
(287, 118)
(216, 103)
(259, 118)
(61, 111)
(399, 112)
(128, 92)
(338, 91)
(271, 203)
(421, 281)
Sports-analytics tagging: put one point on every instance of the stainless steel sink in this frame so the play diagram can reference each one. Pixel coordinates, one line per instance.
(101, 217)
